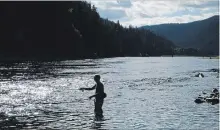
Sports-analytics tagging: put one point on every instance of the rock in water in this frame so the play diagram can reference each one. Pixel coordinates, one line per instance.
(201, 75)
(212, 100)
(198, 100)
(215, 70)
(215, 90)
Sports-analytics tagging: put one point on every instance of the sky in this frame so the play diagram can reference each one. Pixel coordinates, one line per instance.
(152, 12)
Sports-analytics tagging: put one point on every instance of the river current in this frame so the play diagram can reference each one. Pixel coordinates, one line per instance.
(142, 93)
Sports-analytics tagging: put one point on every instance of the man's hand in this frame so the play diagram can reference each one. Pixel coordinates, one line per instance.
(90, 97)
(82, 89)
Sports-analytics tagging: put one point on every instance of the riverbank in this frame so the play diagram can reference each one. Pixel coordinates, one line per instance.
(212, 57)
(20, 59)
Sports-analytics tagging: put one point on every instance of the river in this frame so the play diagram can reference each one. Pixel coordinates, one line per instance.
(142, 93)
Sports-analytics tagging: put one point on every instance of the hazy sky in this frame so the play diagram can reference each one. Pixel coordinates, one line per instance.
(148, 12)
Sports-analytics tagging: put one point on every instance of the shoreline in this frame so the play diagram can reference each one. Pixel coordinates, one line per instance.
(63, 59)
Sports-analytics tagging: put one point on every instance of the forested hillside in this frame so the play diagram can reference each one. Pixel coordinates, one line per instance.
(70, 30)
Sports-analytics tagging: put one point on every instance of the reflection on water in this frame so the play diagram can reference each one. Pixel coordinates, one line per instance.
(38, 70)
(97, 125)
(143, 93)
(12, 122)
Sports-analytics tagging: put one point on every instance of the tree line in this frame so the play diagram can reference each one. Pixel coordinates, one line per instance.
(71, 30)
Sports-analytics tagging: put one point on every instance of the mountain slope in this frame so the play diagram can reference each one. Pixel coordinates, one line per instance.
(202, 35)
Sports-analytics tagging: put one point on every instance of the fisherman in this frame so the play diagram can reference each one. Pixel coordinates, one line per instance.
(99, 96)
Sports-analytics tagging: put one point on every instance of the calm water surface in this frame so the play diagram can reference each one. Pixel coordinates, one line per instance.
(143, 93)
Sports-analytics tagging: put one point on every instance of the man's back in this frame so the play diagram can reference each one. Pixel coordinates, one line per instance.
(99, 90)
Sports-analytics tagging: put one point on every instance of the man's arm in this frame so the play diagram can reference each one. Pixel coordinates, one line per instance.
(92, 88)
(93, 96)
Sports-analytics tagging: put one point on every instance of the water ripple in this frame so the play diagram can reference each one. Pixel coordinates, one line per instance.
(143, 93)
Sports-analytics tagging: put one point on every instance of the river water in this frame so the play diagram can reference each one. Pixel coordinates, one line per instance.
(142, 93)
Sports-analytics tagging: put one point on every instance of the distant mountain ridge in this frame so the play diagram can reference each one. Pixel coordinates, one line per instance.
(202, 35)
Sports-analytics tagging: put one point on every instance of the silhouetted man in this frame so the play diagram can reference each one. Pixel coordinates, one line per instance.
(99, 95)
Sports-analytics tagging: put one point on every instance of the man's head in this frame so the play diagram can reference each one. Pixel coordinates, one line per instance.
(97, 78)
